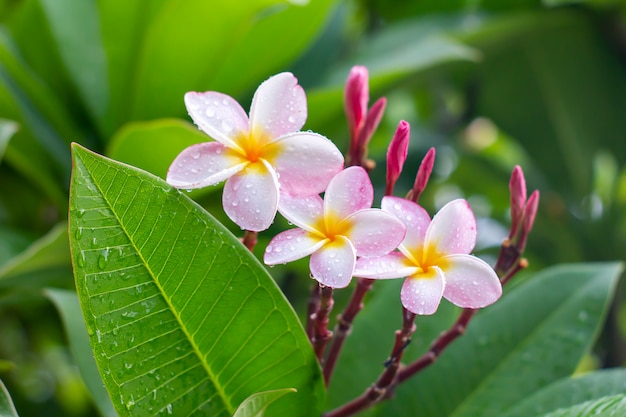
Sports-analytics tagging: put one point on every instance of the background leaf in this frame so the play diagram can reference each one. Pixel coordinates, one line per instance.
(66, 303)
(181, 317)
(571, 391)
(256, 404)
(7, 409)
(7, 129)
(605, 407)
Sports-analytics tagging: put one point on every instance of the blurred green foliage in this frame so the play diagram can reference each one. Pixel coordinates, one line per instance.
(489, 83)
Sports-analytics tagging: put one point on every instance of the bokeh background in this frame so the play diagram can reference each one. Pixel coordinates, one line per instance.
(489, 84)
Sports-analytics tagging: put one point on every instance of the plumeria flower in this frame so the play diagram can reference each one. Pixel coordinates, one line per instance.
(336, 229)
(434, 257)
(260, 156)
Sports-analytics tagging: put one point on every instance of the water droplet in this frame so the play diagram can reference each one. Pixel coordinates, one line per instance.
(81, 258)
(210, 112)
(291, 119)
(169, 409)
(102, 262)
(235, 203)
(332, 255)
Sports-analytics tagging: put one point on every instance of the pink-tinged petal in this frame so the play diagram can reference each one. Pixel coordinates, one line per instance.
(306, 162)
(218, 115)
(422, 295)
(470, 282)
(290, 245)
(203, 164)
(278, 106)
(414, 217)
(304, 212)
(374, 232)
(333, 264)
(250, 197)
(349, 191)
(392, 265)
(453, 229)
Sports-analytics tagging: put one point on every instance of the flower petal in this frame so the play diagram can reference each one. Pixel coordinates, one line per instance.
(453, 229)
(333, 264)
(349, 191)
(306, 162)
(278, 106)
(218, 115)
(392, 265)
(290, 245)
(422, 295)
(375, 232)
(250, 197)
(203, 164)
(470, 282)
(414, 217)
(304, 212)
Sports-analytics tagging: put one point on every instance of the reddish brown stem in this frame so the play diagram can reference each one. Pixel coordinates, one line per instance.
(344, 325)
(250, 239)
(312, 308)
(321, 334)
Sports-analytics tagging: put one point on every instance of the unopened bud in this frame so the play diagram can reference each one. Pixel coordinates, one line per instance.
(423, 175)
(396, 154)
(356, 97)
(517, 187)
(530, 212)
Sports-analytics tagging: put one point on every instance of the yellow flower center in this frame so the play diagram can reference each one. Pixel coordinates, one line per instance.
(255, 145)
(427, 256)
(331, 226)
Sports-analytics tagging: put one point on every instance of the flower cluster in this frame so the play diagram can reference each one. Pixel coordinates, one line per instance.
(269, 166)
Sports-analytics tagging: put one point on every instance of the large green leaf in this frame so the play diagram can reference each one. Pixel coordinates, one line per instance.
(534, 335)
(182, 318)
(7, 409)
(571, 391)
(614, 406)
(66, 302)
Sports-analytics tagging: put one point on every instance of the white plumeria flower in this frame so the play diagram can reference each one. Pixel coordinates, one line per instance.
(434, 257)
(260, 156)
(336, 229)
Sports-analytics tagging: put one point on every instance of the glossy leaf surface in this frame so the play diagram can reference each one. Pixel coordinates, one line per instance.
(181, 317)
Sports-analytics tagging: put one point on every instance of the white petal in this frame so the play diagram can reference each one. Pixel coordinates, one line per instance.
(333, 264)
(202, 165)
(470, 282)
(218, 115)
(251, 197)
(414, 217)
(306, 163)
(290, 245)
(393, 265)
(349, 191)
(304, 212)
(278, 106)
(422, 295)
(453, 229)
(375, 232)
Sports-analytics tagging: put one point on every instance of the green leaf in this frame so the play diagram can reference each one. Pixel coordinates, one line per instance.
(66, 302)
(539, 329)
(152, 146)
(7, 129)
(571, 391)
(75, 27)
(256, 404)
(47, 258)
(181, 317)
(7, 409)
(614, 406)
(536, 334)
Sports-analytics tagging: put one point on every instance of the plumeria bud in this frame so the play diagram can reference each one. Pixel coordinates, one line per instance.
(517, 187)
(356, 97)
(396, 154)
(530, 212)
(423, 175)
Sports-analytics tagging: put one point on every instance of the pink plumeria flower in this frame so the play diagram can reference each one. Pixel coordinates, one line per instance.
(259, 157)
(336, 229)
(434, 257)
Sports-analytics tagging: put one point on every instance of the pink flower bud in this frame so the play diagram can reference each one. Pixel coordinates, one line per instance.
(530, 212)
(396, 154)
(356, 97)
(423, 174)
(517, 187)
